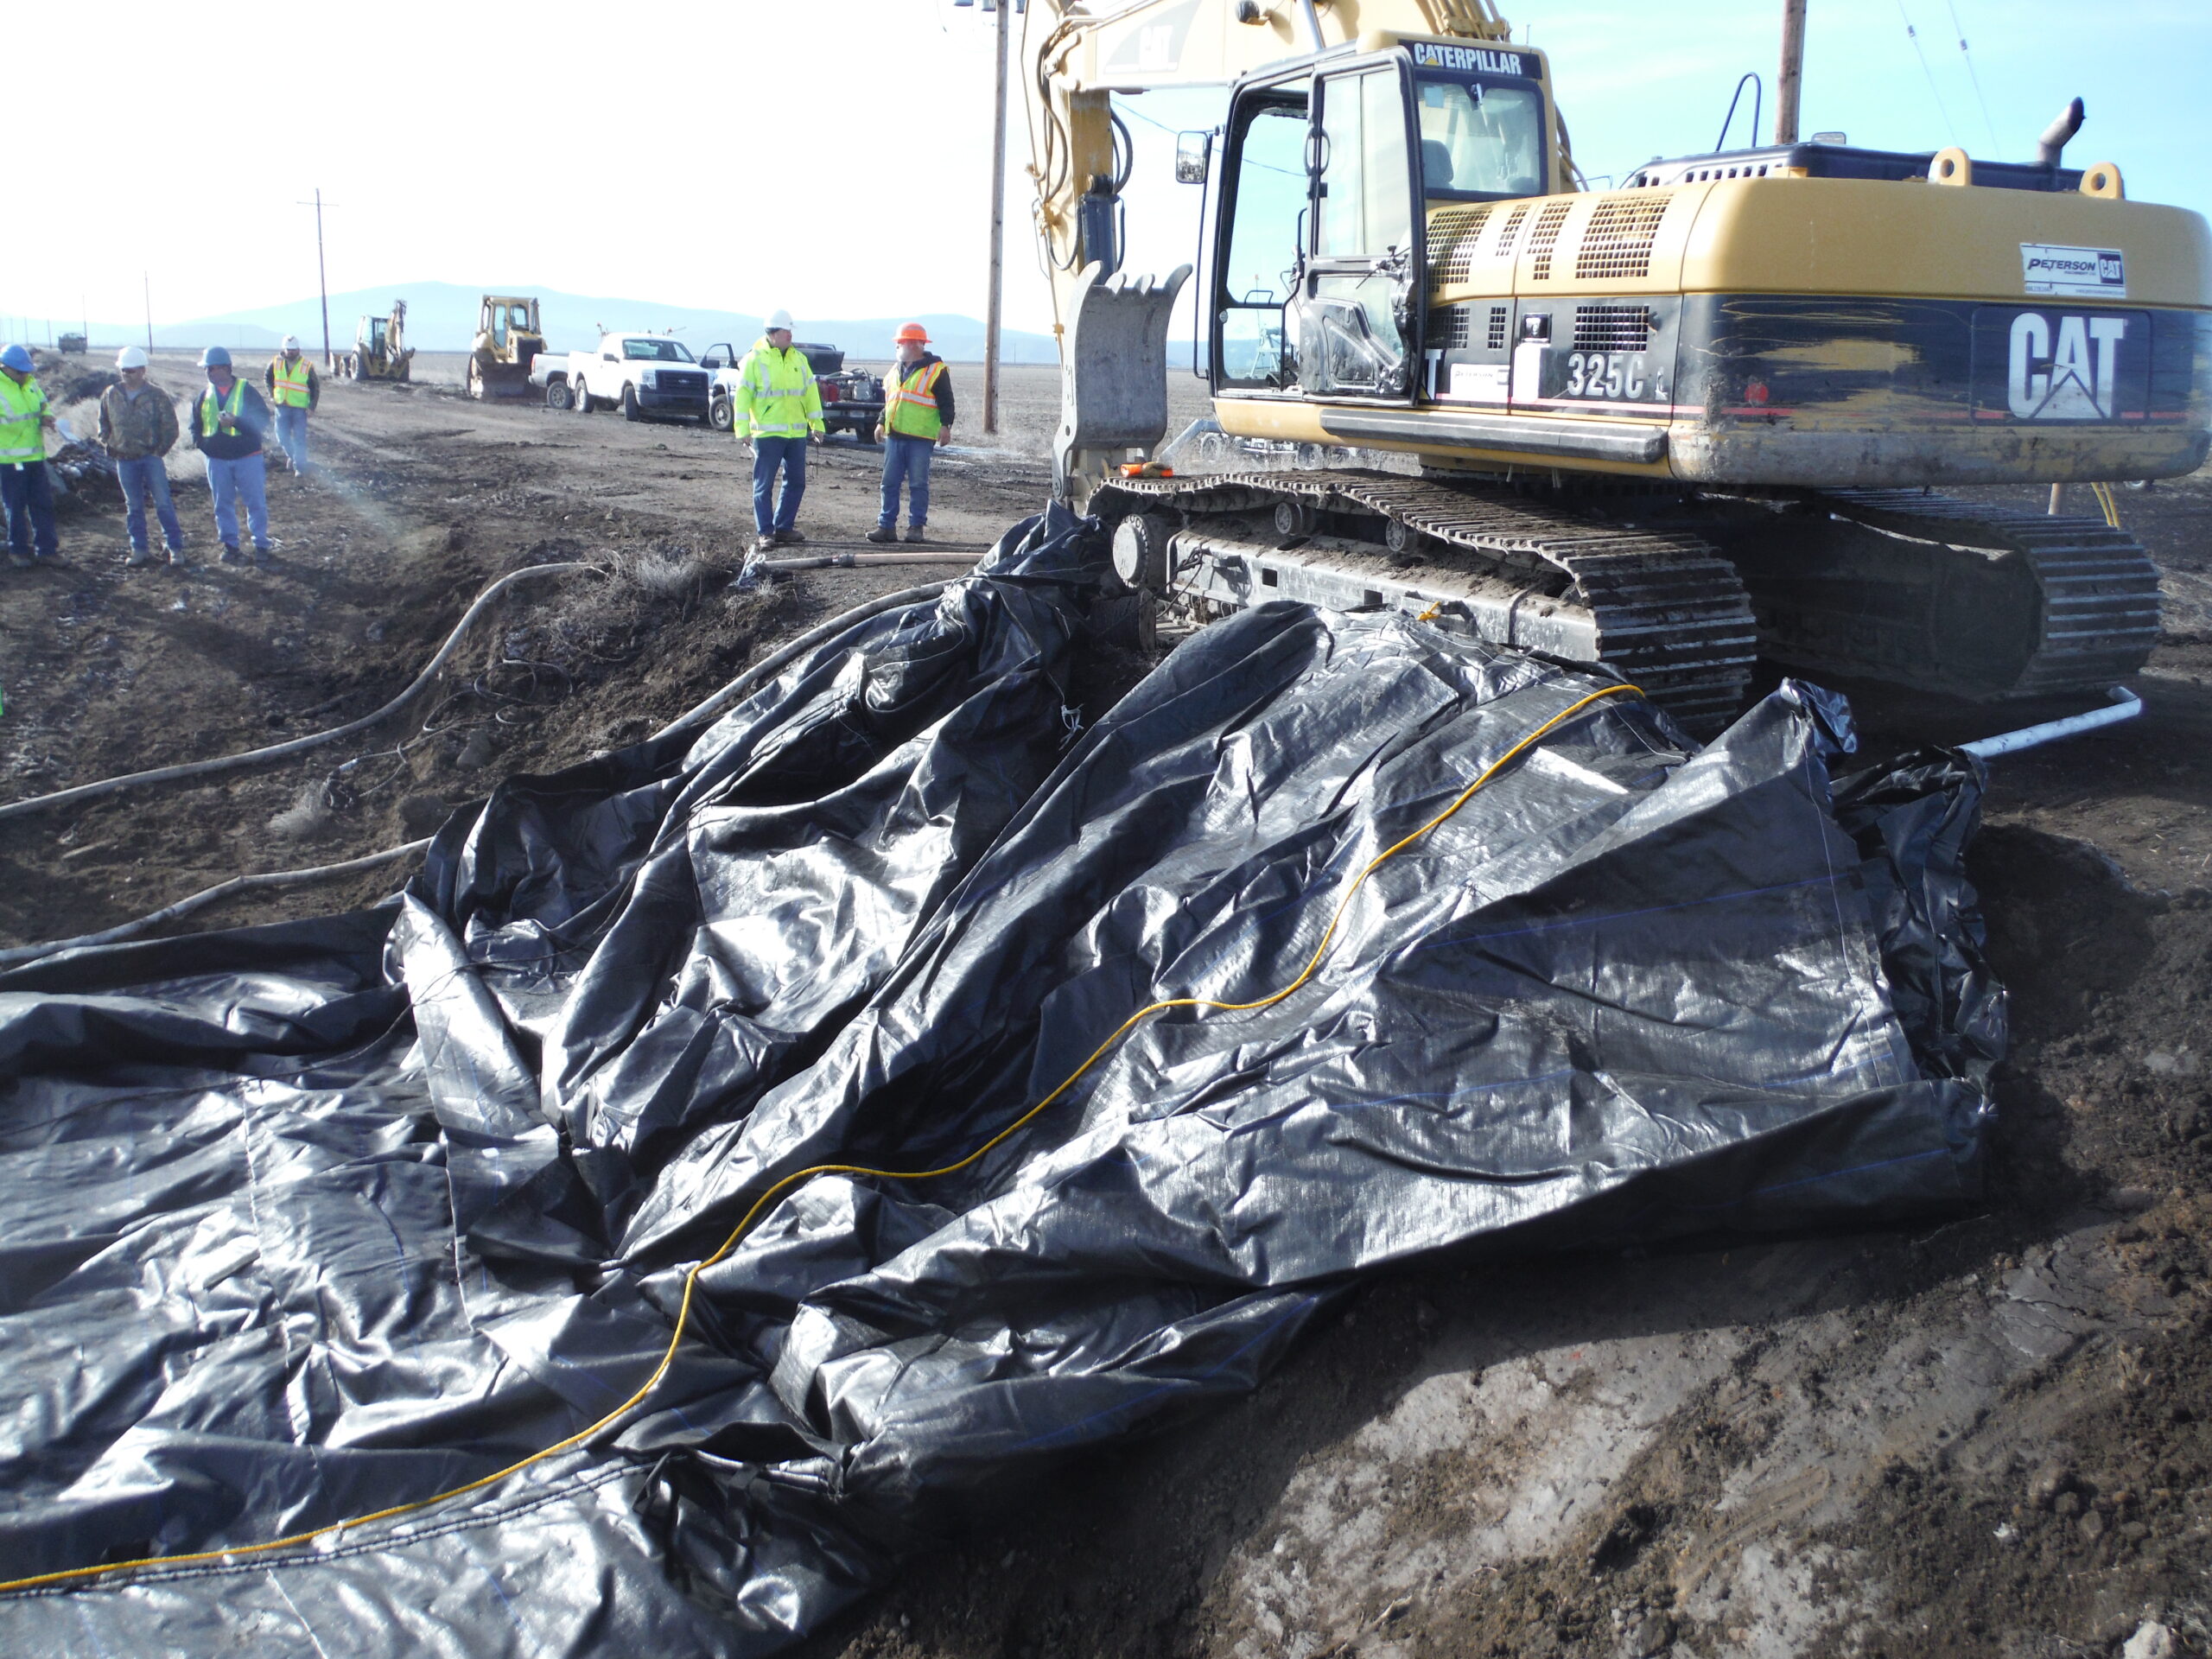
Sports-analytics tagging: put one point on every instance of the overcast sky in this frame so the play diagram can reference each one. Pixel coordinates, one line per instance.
(833, 155)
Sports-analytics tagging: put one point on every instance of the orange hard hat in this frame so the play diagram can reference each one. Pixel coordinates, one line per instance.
(915, 332)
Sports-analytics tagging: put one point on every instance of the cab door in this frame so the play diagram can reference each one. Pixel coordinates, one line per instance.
(1357, 315)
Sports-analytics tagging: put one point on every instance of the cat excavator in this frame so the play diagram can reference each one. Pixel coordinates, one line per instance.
(1667, 428)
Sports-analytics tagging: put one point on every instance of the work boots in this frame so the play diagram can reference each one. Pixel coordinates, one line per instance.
(883, 533)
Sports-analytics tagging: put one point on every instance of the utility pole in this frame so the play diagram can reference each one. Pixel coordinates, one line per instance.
(1789, 82)
(322, 279)
(146, 283)
(991, 305)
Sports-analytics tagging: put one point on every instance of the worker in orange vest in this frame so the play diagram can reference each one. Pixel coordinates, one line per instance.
(916, 417)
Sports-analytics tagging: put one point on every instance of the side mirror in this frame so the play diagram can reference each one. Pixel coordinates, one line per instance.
(1193, 151)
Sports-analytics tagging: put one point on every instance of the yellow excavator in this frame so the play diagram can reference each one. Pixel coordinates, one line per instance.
(1667, 428)
(508, 340)
(380, 348)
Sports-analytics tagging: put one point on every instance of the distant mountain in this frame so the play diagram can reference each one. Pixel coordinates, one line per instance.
(441, 317)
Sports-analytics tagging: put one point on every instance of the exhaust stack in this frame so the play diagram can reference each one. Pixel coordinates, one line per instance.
(2052, 144)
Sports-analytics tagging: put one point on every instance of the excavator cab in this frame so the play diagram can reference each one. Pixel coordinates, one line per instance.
(1335, 172)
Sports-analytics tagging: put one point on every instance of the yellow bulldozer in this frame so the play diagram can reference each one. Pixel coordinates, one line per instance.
(380, 348)
(508, 339)
(1668, 427)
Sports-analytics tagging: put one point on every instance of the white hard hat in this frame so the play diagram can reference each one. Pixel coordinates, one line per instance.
(131, 357)
(292, 342)
(778, 319)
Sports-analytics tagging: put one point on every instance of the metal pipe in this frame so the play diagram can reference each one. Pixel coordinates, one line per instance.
(1789, 80)
(2125, 705)
(1312, 24)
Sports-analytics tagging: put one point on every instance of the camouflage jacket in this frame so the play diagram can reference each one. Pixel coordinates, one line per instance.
(133, 428)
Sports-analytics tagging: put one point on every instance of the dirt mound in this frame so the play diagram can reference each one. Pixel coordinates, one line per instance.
(86, 388)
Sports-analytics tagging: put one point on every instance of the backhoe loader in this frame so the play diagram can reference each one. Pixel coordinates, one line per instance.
(1667, 428)
(380, 348)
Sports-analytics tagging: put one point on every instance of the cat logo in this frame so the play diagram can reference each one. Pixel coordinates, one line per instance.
(2075, 382)
(1155, 46)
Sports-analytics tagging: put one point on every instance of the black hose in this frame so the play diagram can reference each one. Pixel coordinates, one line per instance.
(737, 687)
(204, 897)
(298, 745)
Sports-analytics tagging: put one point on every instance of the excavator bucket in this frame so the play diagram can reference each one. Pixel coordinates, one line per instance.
(1113, 374)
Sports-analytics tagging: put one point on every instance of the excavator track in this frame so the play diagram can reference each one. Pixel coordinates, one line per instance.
(1949, 596)
(1661, 607)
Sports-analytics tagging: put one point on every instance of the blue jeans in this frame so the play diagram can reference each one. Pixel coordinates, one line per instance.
(27, 501)
(140, 478)
(908, 459)
(769, 514)
(229, 480)
(292, 433)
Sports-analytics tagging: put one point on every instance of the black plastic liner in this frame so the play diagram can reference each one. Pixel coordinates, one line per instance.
(300, 1222)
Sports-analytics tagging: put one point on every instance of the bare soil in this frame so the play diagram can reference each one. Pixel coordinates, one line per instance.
(1989, 1437)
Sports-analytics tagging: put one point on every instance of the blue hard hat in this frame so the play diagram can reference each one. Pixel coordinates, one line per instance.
(17, 357)
(215, 357)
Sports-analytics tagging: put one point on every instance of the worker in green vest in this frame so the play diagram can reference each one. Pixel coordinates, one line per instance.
(917, 418)
(26, 493)
(294, 389)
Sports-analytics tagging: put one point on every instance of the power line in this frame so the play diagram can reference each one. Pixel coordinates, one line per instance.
(1957, 30)
(1913, 34)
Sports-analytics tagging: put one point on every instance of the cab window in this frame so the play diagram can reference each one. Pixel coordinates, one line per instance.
(1268, 218)
(1366, 206)
(1479, 141)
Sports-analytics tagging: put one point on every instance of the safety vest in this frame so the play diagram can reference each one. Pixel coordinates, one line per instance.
(20, 409)
(776, 396)
(212, 408)
(291, 382)
(913, 412)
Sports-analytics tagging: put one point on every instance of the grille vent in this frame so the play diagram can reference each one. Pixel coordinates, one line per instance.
(1452, 245)
(1495, 340)
(1449, 327)
(1617, 242)
(1545, 237)
(1611, 327)
(1509, 229)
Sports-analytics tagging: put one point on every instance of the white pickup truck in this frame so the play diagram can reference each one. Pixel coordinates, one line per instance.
(643, 375)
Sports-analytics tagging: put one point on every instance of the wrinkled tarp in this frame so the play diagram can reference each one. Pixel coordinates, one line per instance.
(300, 1221)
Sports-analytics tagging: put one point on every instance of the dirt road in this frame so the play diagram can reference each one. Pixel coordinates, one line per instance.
(1992, 1437)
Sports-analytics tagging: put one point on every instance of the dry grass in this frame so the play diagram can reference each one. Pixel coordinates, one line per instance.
(665, 571)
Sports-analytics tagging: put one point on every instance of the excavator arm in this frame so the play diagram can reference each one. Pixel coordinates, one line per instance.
(1112, 327)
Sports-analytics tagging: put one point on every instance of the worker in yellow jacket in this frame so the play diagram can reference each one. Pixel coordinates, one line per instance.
(778, 406)
(26, 493)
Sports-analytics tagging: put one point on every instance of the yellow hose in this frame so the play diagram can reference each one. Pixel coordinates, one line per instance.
(691, 1280)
